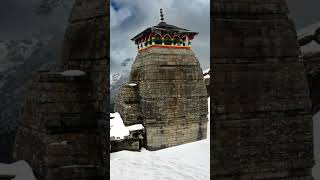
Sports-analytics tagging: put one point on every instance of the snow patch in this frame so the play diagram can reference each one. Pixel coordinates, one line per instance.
(132, 84)
(73, 73)
(59, 143)
(206, 71)
(207, 76)
(118, 130)
(20, 169)
(135, 127)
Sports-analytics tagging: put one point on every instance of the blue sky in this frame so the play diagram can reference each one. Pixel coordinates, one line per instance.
(130, 17)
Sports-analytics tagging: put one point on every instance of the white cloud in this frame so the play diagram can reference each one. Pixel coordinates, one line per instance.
(118, 17)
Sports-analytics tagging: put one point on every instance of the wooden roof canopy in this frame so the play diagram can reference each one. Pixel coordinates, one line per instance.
(163, 29)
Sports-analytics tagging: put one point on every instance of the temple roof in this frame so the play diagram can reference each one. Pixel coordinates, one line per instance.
(163, 27)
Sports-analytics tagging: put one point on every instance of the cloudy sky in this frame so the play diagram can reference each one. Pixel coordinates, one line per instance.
(304, 12)
(130, 17)
(18, 20)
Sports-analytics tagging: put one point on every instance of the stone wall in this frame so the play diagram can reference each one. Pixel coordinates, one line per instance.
(128, 145)
(57, 128)
(262, 126)
(163, 136)
(173, 96)
(128, 104)
(64, 126)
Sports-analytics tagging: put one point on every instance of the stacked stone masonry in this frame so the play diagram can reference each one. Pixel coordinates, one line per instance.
(63, 133)
(262, 126)
(129, 104)
(172, 96)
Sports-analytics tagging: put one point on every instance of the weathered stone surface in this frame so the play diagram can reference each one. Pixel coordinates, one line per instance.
(64, 125)
(128, 145)
(171, 94)
(262, 126)
(312, 66)
(128, 105)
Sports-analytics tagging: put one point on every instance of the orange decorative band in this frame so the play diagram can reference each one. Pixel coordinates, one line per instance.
(165, 46)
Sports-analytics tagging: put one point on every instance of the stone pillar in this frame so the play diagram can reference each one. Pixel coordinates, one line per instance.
(261, 121)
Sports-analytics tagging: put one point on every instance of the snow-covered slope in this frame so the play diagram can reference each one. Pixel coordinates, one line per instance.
(185, 162)
(20, 169)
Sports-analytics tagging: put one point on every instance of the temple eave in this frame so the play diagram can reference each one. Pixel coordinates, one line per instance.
(165, 46)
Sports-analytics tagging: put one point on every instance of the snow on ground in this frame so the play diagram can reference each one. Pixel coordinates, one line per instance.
(21, 169)
(185, 162)
(206, 71)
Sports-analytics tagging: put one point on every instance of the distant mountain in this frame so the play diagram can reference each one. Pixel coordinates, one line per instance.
(19, 61)
(21, 58)
(117, 80)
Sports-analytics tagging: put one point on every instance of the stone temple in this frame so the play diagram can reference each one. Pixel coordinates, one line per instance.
(262, 124)
(166, 91)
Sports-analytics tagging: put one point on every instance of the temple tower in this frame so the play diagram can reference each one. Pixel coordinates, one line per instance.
(166, 92)
(262, 126)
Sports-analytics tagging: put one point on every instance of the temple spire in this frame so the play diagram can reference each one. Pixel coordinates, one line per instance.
(161, 15)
